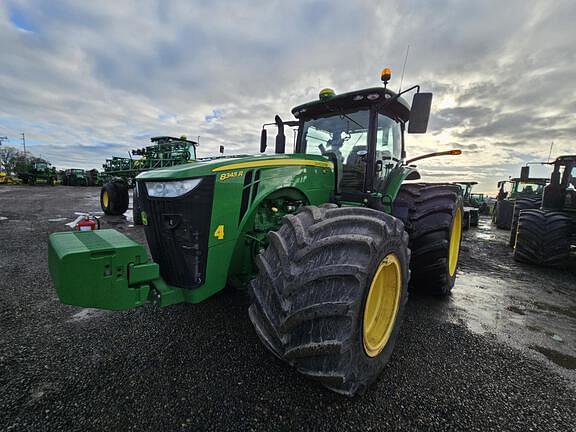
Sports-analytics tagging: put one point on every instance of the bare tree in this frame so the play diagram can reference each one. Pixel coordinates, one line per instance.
(9, 157)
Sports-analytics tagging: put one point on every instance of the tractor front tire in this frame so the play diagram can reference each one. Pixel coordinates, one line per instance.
(434, 218)
(330, 293)
(519, 205)
(114, 198)
(543, 238)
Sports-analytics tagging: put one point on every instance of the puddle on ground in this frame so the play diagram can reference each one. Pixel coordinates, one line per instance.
(528, 307)
(564, 360)
(87, 314)
(485, 236)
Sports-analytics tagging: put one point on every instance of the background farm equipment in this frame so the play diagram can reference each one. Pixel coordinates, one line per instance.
(546, 235)
(31, 172)
(471, 205)
(525, 191)
(327, 239)
(8, 179)
(74, 177)
(120, 172)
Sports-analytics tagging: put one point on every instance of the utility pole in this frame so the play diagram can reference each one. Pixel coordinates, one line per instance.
(24, 144)
(2, 138)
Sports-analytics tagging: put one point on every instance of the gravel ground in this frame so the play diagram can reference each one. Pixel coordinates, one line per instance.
(202, 367)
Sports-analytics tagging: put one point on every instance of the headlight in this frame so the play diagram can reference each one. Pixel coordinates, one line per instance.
(171, 189)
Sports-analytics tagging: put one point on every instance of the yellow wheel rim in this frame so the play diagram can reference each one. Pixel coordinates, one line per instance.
(105, 199)
(455, 236)
(382, 305)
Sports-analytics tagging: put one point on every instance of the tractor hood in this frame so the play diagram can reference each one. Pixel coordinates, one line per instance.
(220, 165)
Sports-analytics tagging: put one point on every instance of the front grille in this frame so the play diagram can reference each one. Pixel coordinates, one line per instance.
(178, 232)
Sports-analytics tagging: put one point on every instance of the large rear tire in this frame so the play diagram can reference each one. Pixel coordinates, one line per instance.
(434, 218)
(330, 293)
(114, 198)
(519, 205)
(504, 210)
(543, 238)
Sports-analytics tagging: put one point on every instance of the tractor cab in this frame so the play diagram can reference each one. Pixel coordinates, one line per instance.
(521, 186)
(561, 192)
(362, 133)
(466, 188)
(359, 132)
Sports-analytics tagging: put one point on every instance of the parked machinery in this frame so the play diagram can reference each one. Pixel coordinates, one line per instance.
(527, 190)
(327, 239)
(471, 207)
(546, 235)
(119, 173)
(31, 172)
(74, 177)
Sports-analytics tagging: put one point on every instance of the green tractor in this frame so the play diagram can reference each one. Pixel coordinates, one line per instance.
(93, 177)
(74, 177)
(326, 240)
(31, 173)
(119, 173)
(546, 235)
(514, 195)
(471, 207)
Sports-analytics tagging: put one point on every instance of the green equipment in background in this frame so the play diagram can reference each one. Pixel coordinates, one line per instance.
(523, 191)
(327, 240)
(120, 172)
(545, 235)
(74, 177)
(474, 204)
(32, 172)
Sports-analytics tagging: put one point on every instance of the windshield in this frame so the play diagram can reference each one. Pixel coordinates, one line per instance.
(343, 135)
(344, 139)
(530, 188)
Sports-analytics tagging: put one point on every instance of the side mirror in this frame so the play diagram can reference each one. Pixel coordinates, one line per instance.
(280, 137)
(263, 140)
(420, 113)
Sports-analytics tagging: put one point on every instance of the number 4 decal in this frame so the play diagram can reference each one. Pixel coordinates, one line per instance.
(219, 233)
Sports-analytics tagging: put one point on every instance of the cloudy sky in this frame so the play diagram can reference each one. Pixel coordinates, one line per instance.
(86, 80)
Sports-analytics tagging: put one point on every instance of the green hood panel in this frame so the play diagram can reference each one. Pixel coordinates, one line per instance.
(217, 166)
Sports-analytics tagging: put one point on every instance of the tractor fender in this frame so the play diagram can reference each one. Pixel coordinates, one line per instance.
(390, 186)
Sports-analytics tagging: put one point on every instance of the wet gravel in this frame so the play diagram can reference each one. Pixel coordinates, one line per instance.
(201, 367)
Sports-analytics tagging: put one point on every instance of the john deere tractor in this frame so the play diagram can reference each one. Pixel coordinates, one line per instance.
(524, 192)
(31, 172)
(326, 240)
(546, 235)
(471, 207)
(74, 177)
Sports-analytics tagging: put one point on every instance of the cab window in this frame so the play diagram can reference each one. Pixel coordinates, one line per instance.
(388, 139)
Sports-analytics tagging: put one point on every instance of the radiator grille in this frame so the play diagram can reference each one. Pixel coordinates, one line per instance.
(178, 233)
